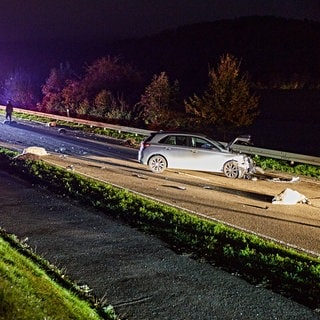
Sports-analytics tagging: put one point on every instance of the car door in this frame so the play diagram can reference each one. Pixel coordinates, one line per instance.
(177, 151)
(207, 156)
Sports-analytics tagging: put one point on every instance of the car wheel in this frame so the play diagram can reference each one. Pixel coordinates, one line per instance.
(157, 164)
(231, 169)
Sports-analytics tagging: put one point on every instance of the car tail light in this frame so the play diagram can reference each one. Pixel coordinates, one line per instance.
(145, 144)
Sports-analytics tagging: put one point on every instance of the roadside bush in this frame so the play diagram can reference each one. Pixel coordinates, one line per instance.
(286, 166)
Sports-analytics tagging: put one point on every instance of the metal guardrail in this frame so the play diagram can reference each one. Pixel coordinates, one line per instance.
(97, 124)
(292, 157)
(288, 156)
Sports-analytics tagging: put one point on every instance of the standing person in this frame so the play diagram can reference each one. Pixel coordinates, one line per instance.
(9, 110)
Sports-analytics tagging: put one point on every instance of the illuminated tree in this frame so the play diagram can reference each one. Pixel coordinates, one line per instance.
(52, 90)
(227, 103)
(74, 97)
(111, 74)
(105, 79)
(110, 107)
(159, 102)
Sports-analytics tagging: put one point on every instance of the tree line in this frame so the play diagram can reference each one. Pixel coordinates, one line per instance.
(111, 90)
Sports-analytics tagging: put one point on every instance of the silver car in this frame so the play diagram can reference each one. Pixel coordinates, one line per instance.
(190, 151)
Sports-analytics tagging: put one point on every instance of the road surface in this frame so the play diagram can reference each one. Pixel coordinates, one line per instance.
(136, 273)
(245, 204)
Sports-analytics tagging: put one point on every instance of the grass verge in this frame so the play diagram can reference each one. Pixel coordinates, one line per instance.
(42, 298)
(28, 292)
(285, 166)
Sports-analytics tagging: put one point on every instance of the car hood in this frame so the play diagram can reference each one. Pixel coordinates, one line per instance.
(243, 138)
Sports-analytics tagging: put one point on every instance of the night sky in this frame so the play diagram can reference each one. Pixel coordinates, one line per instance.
(112, 19)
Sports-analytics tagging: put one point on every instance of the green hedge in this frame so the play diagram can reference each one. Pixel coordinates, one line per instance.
(285, 166)
(259, 261)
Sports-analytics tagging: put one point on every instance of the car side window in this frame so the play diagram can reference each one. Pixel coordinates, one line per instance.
(181, 141)
(168, 140)
(175, 140)
(201, 143)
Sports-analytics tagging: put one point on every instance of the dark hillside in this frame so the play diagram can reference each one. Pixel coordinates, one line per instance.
(276, 52)
(288, 121)
(272, 50)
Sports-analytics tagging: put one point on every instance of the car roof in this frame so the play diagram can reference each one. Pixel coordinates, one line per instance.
(187, 133)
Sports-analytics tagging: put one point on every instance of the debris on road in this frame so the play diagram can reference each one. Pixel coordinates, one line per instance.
(62, 131)
(283, 180)
(51, 124)
(140, 176)
(70, 167)
(289, 197)
(259, 170)
(175, 187)
(32, 153)
(35, 150)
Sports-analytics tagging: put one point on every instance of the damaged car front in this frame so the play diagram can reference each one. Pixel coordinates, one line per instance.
(244, 167)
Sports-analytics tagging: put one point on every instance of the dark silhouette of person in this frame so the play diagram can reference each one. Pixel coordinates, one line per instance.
(9, 110)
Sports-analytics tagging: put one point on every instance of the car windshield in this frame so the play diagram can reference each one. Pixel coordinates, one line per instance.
(216, 144)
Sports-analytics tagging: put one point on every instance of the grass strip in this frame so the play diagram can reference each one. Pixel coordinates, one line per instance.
(27, 292)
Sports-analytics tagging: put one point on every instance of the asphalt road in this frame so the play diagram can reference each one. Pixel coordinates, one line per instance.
(137, 273)
(244, 204)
